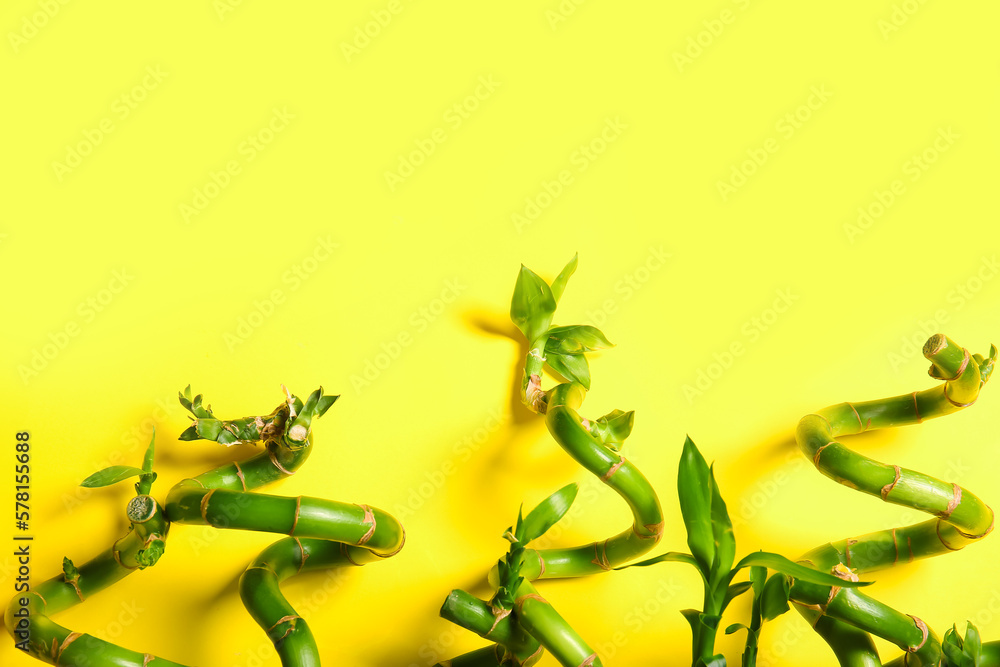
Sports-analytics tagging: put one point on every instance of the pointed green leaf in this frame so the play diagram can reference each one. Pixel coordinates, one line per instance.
(548, 512)
(735, 627)
(722, 530)
(694, 492)
(734, 591)
(573, 367)
(532, 306)
(714, 661)
(613, 428)
(796, 570)
(147, 460)
(576, 339)
(774, 597)
(669, 557)
(325, 403)
(110, 476)
(973, 645)
(953, 653)
(559, 284)
(758, 576)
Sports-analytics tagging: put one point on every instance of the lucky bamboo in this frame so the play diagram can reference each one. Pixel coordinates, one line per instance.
(844, 617)
(594, 444)
(322, 534)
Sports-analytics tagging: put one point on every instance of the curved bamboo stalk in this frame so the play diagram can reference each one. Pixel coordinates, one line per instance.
(531, 309)
(323, 534)
(843, 616)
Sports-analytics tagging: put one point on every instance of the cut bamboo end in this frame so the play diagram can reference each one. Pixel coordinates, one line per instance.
(935, 344)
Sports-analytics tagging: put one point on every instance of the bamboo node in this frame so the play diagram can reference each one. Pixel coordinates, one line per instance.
(612, 470)
(498, 615)
(70, 638)
(889, 487)
(204, 505)
(541, 563)
(923, 630)
(295, 517)
(956, 498)
(346, 551)
(956, 403)
(530, 596)
(937, 530)
(589, 661)
(601, 559)
(819, 451)
(274, 460)
(916, 408)
(291, 619)
(368, 520)
(984, 533)
(146, 659)
(239, 473)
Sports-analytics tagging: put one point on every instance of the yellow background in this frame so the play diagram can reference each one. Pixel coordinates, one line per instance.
(670, 100)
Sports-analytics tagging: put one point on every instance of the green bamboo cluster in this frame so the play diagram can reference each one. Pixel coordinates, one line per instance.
(321, 534)
(844, 617)
(519, 621)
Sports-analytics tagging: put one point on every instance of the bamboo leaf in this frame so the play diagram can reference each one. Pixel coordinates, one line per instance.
(734, 591)
(714, 661)
(669, 557)
(547, 513)
(110, 476)
(576, 339)
(147, 460)
(613, 428)
(722, 531)
(324, 404)
(559, 284)
(736, 627)
(532, 306)
(758, 576)
(796, 570)
(774, 597)
(695, 495)
(973, 644)
(573, 367)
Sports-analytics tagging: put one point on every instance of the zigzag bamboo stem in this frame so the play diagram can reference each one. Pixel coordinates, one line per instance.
(323, 534)
(52, 643)
(961, 517)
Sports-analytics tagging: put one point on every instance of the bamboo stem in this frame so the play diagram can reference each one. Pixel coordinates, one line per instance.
(843, 616)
